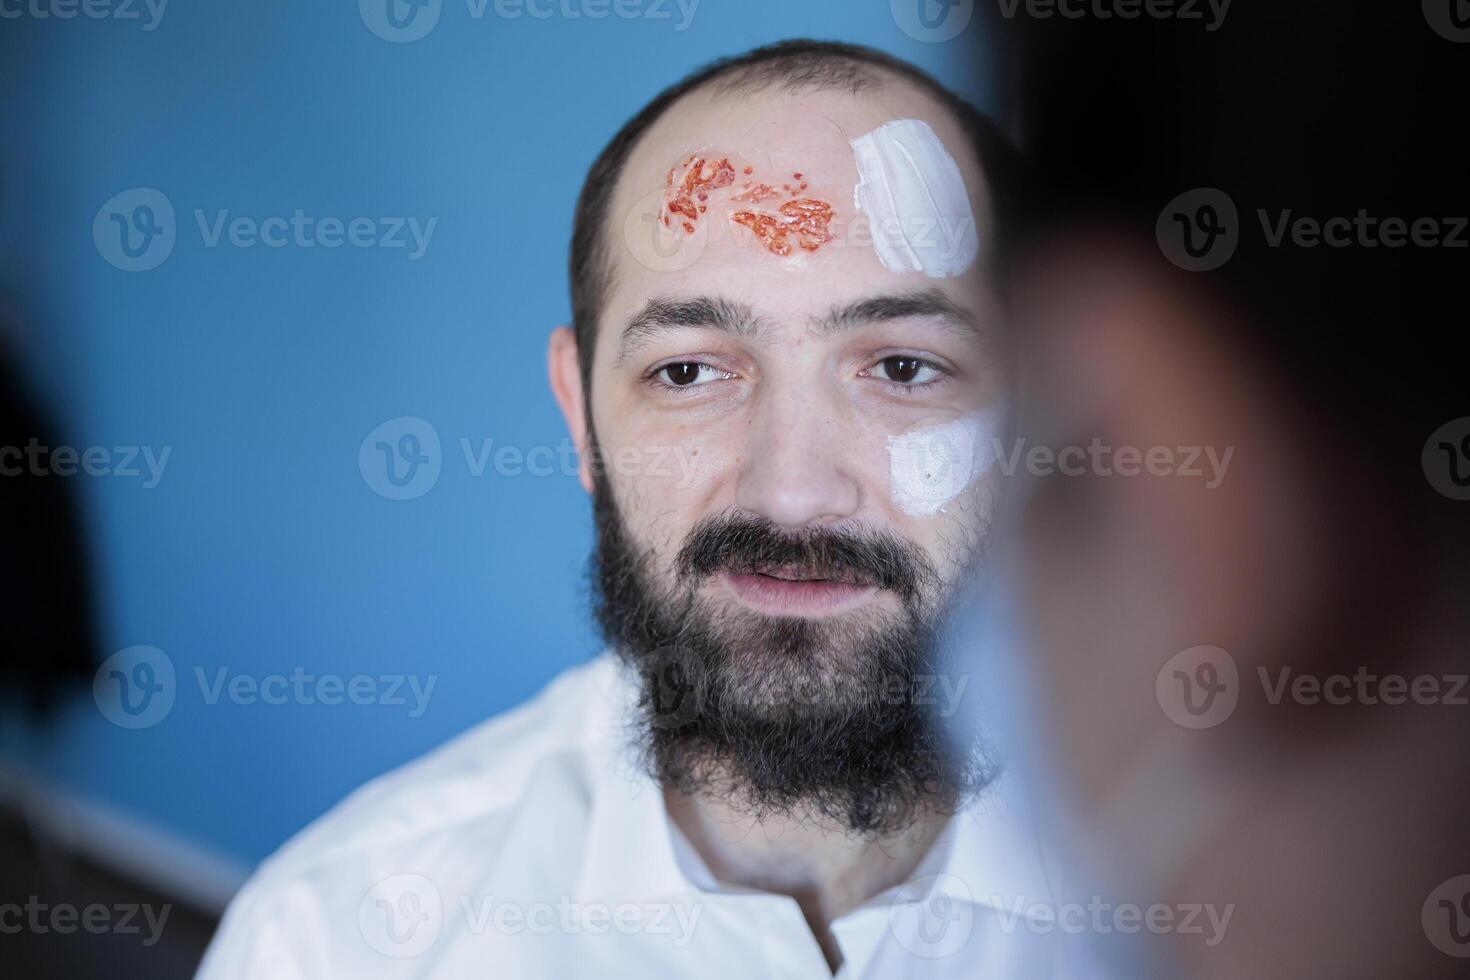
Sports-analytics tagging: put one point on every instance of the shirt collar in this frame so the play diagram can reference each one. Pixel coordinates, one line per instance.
(988, 855)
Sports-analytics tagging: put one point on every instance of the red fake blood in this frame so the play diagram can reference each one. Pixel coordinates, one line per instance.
(804, 220)
(754, 193)
(685, 195)
(801, 222)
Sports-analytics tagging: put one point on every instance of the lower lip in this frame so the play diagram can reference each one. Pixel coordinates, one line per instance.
(796, 598)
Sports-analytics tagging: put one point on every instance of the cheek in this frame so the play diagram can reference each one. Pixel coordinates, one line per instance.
(953, 536)
(935, 467)
(668, 474)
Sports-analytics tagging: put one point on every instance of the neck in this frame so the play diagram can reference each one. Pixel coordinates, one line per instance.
(828, 870)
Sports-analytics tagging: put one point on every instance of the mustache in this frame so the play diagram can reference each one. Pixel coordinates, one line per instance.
(746, 543)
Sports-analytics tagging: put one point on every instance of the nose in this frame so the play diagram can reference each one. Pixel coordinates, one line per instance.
(797, 462)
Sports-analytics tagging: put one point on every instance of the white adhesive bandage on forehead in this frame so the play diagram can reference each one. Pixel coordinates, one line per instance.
(931, 465)
(912, 191)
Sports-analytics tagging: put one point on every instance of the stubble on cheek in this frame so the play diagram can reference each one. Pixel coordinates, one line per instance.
(958, 538)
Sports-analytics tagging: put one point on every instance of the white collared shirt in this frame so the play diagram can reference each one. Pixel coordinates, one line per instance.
(534, 846)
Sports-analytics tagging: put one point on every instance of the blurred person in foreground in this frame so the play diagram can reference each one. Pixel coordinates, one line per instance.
(1252, 239)
(784, 344)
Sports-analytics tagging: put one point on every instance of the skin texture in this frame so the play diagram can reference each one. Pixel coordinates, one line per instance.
(791, 422)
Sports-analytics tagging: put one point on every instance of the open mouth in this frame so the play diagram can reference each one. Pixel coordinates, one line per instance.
(796, 590)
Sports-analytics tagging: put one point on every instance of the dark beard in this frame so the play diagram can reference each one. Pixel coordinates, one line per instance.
(785, 715)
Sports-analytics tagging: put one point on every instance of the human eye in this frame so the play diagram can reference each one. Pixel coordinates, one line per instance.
(685, 374)
(907, 371)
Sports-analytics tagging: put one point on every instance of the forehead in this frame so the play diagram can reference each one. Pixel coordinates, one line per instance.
(784, 140)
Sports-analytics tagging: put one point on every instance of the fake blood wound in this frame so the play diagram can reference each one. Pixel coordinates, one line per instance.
(803, 222)
(687, 197)
(798, 222)
(754, 192)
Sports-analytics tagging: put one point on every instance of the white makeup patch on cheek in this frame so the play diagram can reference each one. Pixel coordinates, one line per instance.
(912, 191)
(930, 465)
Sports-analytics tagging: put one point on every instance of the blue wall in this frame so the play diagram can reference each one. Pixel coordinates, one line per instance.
(264, 548)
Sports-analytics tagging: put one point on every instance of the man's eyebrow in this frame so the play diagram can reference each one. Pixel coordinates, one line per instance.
(709, 312)
(929, 303)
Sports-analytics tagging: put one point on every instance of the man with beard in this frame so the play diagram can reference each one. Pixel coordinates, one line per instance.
(780, 279)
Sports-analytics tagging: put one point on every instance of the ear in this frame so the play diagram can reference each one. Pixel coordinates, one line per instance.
(565, 374)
